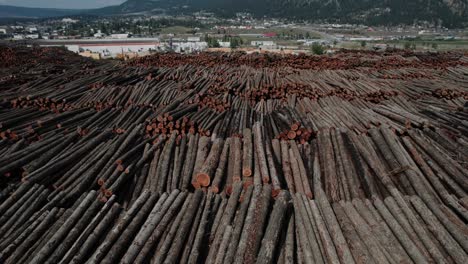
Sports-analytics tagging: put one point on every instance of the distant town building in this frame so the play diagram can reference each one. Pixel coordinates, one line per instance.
(224, 44)
(262, 43)
(120, 36)
(69, 20)
(99, 34)
(189, 47)
(32, 36)
(193, 39)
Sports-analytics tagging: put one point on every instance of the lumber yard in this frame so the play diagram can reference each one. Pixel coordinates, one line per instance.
(356, 157)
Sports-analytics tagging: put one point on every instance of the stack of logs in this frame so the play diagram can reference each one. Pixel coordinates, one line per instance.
(235, 163)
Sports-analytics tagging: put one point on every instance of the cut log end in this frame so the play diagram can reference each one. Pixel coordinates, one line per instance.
(107, 193)
(215, 189)
(196, 185)
(275, 193)
(203, 179)
(229, 190)
(247, 172)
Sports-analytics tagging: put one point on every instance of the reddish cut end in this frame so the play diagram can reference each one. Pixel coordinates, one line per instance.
(203, 179)
(247, 172)
(266, 180)
(247, 184)
(100, 182)
(291, 135)
(295, 126)
(196, 185)
(229, 190)
(309, 195)
(275, 192)
(108, 193)
(215, 189)
(120, 167)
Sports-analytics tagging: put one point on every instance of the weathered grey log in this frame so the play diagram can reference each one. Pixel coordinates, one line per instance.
(225, 221)
(223, 246)
(171, 233)
(239, 222)
(91, 241)
(439, 231)
(334, 228)
(356, 246)
(160, 228)
(137, 208)
(239, 256)
(255, 231)
(120, 247)
(193, 232)
(201, 232)
(247, 154)
(62, 232)
(220, 170)
(404, 239)
(274, 228)
(177, 245)
(365, 233)
(382, 232)
(154, 218)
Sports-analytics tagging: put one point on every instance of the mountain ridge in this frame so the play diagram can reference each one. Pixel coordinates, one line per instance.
(8, 11)
(449, 13)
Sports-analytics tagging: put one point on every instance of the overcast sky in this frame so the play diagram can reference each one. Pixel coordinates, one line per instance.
(74, 4)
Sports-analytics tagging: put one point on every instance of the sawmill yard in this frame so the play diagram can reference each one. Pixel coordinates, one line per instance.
(355, 157)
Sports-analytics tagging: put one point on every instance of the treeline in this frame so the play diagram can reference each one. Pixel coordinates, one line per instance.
(376, 12)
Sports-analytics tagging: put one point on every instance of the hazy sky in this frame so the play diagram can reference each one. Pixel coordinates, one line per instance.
(62, 3)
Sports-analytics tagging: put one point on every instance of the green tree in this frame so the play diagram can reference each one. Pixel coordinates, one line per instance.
(435, 46)
(407, 45)
(234, 43)
(317, 49)
(363, 44)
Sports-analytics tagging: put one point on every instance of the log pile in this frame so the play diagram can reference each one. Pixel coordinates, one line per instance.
(236, 159)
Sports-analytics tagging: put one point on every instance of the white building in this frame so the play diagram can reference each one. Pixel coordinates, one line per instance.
(120, 36)
(113, 49)
(99, 35)
(193, 39)
(3, 31)
(224, 44)
(32, 36)
(188, 47)
(262, 43)
(69, 20)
